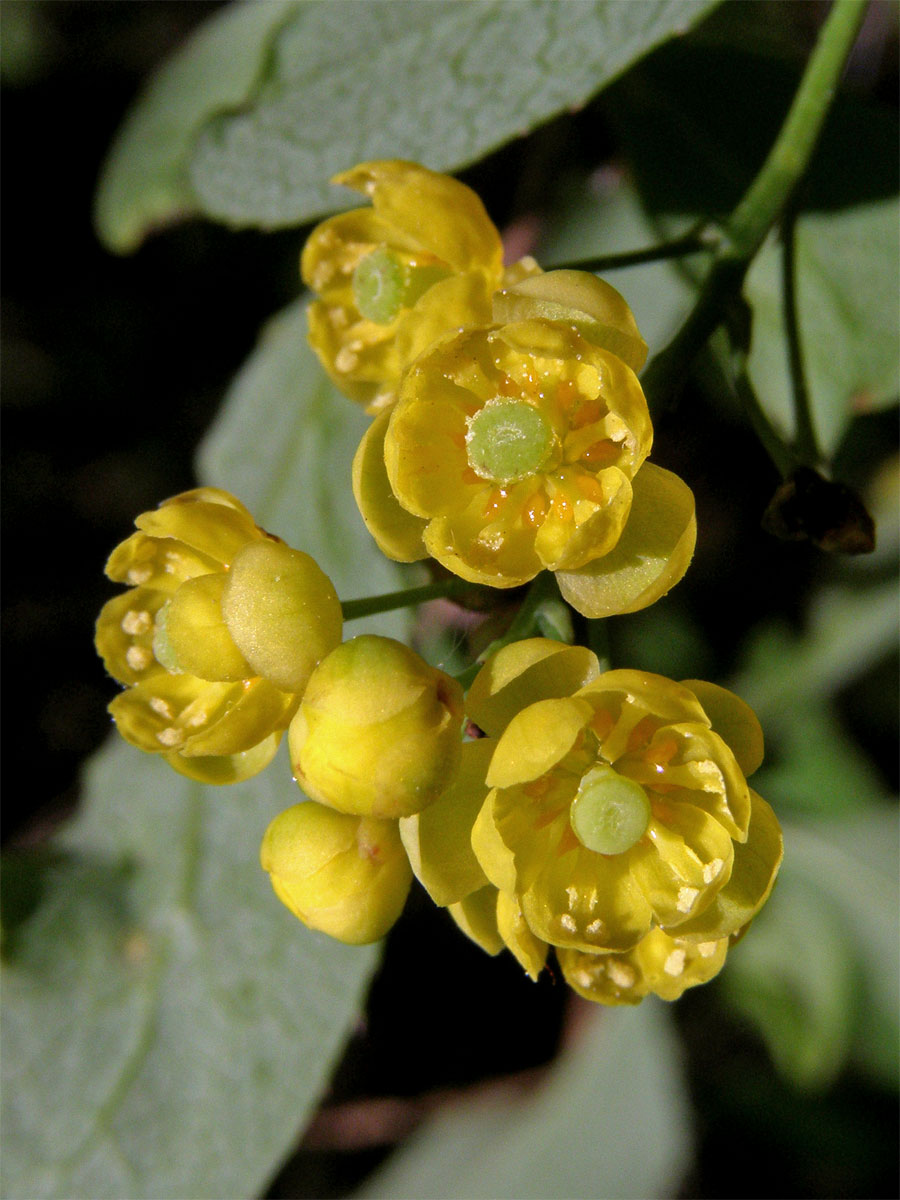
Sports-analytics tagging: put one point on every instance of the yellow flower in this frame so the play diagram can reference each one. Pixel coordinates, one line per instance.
(378, 732)
(424, 259)
(216, 638)
(520, 447)
(346, 876)
(623, 807)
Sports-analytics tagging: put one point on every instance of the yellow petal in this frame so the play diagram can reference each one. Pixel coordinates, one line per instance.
(734, 721)
(438, 841)
(523, 672)
(235, 719)
(197, 633)
(587, 901)
(217, 530)
(424, 450)
(495, 553)
(448, 306)
(476, 916)
(650, 557)
(397, 532)
(595, 308)
(124, 634)
(494, 857)
(565, 544)
(437, 212)
(682, 863)
(282, 611)
(536, 739)
(756, 864)
(529, 950)
(231, 768)
(159, 563)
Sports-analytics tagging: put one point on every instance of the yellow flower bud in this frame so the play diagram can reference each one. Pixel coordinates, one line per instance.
(346, 876)
(378, 732)
(520, 447)
(216, 637)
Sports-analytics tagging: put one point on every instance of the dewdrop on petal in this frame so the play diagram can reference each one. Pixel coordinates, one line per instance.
(378, 732)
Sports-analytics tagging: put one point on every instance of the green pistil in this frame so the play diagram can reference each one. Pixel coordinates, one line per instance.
(507, 440)
(610, 813)
(383, 285)
(162, 647)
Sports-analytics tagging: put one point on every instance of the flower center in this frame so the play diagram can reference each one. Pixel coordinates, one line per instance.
(507, 440)
(610, 813)
(383, 284)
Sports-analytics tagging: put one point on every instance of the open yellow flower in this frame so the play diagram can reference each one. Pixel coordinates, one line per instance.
(518, 448)
(423, 259)
(622, 806)
(216, 638)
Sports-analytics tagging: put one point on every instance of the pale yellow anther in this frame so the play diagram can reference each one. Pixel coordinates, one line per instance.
(138, 657)
(707, 949)
(162, 707)
(686, 898)
(170, 737)
(138, 575)
(568, 922)
(135, 623)
(674, 964)
(621, 974)
(712, 870)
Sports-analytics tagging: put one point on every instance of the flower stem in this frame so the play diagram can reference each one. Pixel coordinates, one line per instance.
(699, 238)
(444, 589)
(746, 228)
(523, 624)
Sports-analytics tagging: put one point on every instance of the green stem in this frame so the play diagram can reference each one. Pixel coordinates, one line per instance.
(757, 212)
(699, 238)
(444, 589)
(523, 624)
(805, 446)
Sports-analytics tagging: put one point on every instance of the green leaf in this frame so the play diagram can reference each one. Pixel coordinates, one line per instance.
(818, 972)
(611, 1120)
(848, 631)
(167, 1024)
(144, 183)
(849, 309)
(441, 83)
(283, 442)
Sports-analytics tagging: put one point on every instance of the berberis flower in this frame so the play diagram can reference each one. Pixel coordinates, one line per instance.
(216, 638)
(520, 447)
(617, 824)
(422, 260)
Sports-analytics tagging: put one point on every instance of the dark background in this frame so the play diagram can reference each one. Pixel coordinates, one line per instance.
(112, 369)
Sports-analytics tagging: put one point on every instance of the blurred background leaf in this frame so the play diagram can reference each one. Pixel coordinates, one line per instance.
(313, 89)
(818, 975)
(848, 311)
(167, 1024)
(611, 1119)
(145, 183)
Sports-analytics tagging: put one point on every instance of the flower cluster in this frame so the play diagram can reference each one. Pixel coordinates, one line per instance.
(511, 429)
(603, 814)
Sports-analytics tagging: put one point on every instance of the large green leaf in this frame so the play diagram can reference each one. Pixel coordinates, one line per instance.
(144, 182)
(848, 303)
(441, 83)
(611, 1120)
(818, 974)
(283, 442)
(167, 1024)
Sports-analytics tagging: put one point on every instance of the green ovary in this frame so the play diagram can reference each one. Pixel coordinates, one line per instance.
(508, 440)
(383, 285)
(610, 813)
